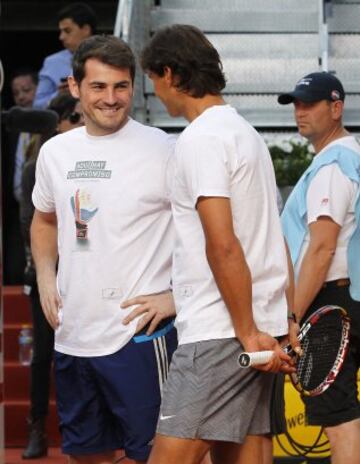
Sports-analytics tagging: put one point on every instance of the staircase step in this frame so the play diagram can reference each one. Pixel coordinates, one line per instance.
(17, 377)
(345, 18)
(55, 456)
(16, 429)
(16, 305)
(242, 5)
(17, 382)
(219, 20)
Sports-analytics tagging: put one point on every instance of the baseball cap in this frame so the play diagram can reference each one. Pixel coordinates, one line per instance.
(315, 87)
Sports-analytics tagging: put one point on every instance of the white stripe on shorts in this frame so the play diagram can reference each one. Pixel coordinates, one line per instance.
(161, 359)
(163, 342)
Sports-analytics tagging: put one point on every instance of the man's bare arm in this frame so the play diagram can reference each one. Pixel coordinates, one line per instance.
(290, 298)
(232, 275)
(45, 253)
(290, 290)
(315, 265)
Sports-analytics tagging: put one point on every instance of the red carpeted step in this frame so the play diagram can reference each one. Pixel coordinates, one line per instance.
(16, 314)
(16, 306)
(13, 456)
(16, 430)
(17, 382)
(16, 376)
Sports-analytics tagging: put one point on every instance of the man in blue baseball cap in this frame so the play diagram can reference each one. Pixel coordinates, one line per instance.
(315, 87)
(321, 222)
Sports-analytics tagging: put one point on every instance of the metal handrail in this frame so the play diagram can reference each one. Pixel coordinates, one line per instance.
(123, 19)
(323, 37)
(132, 25)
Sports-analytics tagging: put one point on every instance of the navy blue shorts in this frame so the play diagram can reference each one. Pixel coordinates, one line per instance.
(112, 402)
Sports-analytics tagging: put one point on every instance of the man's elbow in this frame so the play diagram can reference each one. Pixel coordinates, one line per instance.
(33, 226)
(222, 250)
(324, 252)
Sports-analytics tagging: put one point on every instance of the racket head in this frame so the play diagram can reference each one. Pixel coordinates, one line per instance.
(324, 339)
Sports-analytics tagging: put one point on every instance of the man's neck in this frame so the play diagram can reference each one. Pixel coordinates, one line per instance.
(337, 133)
(193, 107)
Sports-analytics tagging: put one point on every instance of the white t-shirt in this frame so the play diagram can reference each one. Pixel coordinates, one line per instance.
(331, 193)
(220, 154)
(114, 187)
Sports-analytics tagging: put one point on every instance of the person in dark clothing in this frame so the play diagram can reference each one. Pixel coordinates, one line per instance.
(70, 116)
(23, 82)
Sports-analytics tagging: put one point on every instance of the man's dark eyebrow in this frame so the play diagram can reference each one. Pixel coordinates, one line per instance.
(125, 81)
(97, 83)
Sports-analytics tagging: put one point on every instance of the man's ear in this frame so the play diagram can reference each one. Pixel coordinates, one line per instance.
(86, 29)
(337, 110)
(73, 87)
(169, 76)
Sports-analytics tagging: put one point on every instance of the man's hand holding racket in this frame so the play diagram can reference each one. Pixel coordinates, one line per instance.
(278, 361)
(292, 337)
(324, 340)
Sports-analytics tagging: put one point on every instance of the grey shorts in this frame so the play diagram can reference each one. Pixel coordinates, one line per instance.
(207, 396)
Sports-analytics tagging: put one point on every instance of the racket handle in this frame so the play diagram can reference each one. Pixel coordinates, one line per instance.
(252, 359)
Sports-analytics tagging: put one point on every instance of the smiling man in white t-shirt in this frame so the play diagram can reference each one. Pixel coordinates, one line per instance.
(102, 207)
(229, 266)
(326, 247)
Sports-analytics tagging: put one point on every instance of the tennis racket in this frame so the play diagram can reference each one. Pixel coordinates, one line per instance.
(324, 340)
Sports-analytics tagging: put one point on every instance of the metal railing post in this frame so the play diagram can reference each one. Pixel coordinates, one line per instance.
(123, 19)
(323, 38)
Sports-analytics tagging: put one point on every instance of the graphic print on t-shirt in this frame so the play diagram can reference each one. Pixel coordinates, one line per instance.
(90, 170)
(84, 211)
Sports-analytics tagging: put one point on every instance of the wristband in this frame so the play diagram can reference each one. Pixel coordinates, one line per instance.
(292, 316)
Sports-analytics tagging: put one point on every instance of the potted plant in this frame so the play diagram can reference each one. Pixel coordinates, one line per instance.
(290, 158)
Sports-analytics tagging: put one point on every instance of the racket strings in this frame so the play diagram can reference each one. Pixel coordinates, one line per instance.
(324, 343)
(320, 351)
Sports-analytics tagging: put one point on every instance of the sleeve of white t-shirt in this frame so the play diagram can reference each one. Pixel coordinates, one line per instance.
(205, 168)
(43, 196)
(330, 193)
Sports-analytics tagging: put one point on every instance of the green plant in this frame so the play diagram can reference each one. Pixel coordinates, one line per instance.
(290, 159)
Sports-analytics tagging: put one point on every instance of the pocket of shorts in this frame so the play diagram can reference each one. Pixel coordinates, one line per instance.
(185, 357)
(197, 359)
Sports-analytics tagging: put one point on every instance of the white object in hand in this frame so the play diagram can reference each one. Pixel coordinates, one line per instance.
(255, 358)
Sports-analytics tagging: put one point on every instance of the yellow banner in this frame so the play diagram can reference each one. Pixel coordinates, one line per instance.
(303, 434)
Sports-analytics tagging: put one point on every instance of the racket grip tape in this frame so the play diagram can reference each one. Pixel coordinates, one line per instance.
(252, 359)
